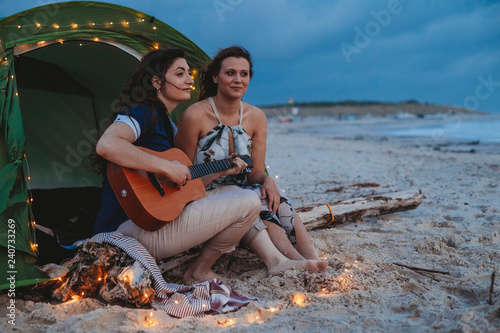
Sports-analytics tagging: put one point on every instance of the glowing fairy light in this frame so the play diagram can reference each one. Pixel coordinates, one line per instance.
(19, 27)
(96, 39)
(74, 25)
(38, 25)
(55, 26)
(154, 28)
(299, 299)
(193, 88)
(176, 302)
(145, 295)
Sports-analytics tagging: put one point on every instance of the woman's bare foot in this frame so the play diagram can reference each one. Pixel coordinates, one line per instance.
(312, 266)
(193, 276)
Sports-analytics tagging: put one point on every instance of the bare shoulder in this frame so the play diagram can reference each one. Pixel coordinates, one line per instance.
(254, 114)
(194, 111)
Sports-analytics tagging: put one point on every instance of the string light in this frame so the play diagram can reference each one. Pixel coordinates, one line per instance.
(75, 25)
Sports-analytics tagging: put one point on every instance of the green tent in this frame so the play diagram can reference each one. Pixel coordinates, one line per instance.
(62, 67)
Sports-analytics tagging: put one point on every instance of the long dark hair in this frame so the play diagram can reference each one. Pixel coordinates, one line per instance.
(140, 91)
(208, 87)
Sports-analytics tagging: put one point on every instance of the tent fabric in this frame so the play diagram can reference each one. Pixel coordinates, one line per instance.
(62, 67)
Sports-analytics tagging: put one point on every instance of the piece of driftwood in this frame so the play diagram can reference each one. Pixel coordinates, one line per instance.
(413, 268)
(490, 300)
(319, 216)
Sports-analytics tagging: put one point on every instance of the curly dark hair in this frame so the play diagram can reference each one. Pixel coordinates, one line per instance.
(140, 91)
(208, 87)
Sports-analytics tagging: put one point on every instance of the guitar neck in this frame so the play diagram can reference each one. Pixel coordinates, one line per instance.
(203, 169)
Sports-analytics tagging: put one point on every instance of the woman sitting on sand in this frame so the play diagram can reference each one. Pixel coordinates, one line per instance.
(221, 124)
(161, 81)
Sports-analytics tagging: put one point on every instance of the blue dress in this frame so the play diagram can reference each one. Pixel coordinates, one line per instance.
(155, 137)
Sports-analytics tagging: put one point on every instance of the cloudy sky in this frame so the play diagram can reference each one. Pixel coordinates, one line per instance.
(444, 52)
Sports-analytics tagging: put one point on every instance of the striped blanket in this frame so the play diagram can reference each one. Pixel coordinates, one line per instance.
(208, 297)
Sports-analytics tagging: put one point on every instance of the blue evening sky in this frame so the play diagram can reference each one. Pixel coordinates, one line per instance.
(444, 52)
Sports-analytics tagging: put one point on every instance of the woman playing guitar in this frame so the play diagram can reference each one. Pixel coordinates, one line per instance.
(161, 81)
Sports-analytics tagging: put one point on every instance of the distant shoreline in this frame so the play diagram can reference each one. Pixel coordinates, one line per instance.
(359, 109)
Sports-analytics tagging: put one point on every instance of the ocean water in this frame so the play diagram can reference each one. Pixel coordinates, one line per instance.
(484, 131)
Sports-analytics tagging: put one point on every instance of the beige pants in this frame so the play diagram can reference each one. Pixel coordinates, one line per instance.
(220, 219)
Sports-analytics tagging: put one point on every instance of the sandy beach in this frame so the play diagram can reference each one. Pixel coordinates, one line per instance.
(455, 230)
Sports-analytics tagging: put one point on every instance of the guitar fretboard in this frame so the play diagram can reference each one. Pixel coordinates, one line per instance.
(203, 169)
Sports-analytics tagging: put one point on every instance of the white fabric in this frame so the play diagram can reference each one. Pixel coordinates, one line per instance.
(134, 125)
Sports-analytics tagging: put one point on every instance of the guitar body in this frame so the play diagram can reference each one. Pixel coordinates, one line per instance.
(142, 202)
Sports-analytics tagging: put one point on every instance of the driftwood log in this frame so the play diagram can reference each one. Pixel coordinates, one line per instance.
(319, 216)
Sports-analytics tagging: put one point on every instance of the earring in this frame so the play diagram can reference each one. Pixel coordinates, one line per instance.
(157, 89)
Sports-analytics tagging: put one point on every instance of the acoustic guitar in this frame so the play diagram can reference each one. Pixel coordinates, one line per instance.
(151, 200)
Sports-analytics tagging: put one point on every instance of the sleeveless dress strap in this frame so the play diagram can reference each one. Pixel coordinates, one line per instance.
(241, 112)
(212, 104)
(211, 101)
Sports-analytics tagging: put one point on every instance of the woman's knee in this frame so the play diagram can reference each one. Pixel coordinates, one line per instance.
(253, 201)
